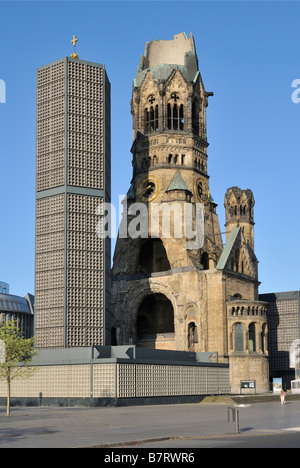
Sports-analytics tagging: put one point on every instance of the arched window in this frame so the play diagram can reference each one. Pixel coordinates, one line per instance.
(195, 117)
(181, 118)
(239, 338)
(263, 338)
(192, 336)
(175, 114)
(252, 341)
(237, 296)
(151, 119)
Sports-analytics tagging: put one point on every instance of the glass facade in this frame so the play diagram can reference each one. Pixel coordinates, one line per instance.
(17, 308)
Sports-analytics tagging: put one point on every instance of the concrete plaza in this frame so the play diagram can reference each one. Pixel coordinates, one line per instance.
(53, 427)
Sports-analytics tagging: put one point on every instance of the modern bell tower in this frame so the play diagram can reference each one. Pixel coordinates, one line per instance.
(72, 268)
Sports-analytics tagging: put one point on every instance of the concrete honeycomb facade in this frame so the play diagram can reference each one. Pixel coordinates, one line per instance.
(84, 377)
(72, 182)
(283, 318)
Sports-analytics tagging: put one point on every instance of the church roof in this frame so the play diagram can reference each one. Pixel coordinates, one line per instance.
(162, 72)
(228, 248)
(131, 194)
(211, 199)
(177, 183)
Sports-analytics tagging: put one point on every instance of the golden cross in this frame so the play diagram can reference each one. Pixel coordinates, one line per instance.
(74, 40)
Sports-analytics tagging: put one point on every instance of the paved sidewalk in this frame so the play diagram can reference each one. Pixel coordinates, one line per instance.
(49, 427)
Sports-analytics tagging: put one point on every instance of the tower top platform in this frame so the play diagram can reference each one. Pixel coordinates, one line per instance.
(163, 56)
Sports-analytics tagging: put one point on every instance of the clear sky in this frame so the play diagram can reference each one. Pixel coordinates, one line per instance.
(249, 56)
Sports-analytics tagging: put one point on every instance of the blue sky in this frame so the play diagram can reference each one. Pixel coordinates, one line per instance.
(248, 56)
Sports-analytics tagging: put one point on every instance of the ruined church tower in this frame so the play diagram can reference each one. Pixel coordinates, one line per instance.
(172, 277)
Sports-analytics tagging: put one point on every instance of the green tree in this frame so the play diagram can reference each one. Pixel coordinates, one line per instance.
(16, 353)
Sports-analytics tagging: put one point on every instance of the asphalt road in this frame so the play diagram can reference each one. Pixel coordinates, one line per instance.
(274, 440)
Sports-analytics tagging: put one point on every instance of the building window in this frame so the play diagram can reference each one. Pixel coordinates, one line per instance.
(175, 117)
(263, 338)
(195, 118)
(205, 261)
(192, 336)
(151, 116)
(239, 338)
(237, 296)
(252, 341)
(175, 114)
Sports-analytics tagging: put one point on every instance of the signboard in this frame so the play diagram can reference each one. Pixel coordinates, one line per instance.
(2, 352)
(295, 355)
(277, 385)
(247, 383)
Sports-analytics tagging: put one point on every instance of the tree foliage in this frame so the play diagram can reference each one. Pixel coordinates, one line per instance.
(17, 354)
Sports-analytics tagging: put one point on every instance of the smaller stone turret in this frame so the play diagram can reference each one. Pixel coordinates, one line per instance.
(239, 206)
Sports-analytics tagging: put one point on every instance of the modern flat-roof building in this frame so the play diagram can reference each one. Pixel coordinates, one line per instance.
(283, 328)
(72, 270)
(4, 288)
(17, 308)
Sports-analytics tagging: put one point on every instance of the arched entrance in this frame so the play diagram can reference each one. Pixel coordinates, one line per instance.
(155, 322)
(153, 257)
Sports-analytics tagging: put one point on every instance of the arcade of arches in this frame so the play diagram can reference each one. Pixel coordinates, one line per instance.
(155, 317)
